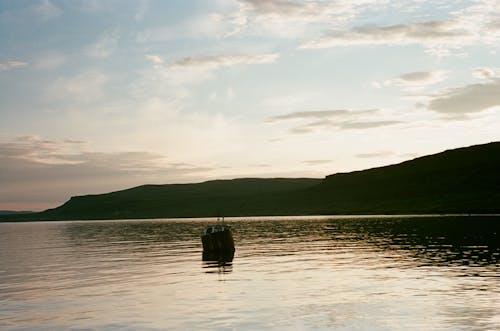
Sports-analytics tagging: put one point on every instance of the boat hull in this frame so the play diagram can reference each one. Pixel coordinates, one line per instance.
(221, 241)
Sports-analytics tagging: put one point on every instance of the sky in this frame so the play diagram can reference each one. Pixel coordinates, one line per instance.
(98, 96)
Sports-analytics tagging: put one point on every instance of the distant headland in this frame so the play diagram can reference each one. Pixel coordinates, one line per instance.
(463, 180)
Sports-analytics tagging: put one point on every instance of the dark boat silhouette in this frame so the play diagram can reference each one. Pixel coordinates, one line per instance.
(217, 239)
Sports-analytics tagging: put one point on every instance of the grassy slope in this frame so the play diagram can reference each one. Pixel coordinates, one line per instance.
(465, 180)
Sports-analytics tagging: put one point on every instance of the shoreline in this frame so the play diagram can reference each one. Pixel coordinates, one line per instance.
(261, 218)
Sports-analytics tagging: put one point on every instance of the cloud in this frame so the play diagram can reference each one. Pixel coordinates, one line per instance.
(473, 24)
(85, 87)
(318, 115)
(155, 59)
(331, 120)
(432, 32)
(44, 172)
(211, 26)
(414, 80)
(104, 46)
(482, 17)
(486, 72)
(176, 82)
(294, 11)
(468, 99)
(472, 98)
(316, 162)
(425, 77)
(327, 125)
(289, 19)
(381, 154)
(366, 124)
(214, 62)
(35, 149)
(75, 141)
(177, 79)
(442, 51)
(9, 65)
(494, 26)
(260, 165)
(43, 10)
(50, 60)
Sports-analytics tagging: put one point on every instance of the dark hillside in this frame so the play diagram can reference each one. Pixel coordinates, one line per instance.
(247, 196)
(464, 180)
(13, 212)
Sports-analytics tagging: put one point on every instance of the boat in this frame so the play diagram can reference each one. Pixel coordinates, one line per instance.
(217, 239)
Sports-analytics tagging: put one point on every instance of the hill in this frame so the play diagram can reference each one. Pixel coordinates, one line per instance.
(464, 180)
(13, 212)
(245, 196)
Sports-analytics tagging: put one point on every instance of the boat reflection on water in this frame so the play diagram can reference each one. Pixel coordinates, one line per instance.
(218, 248)
(218, 262)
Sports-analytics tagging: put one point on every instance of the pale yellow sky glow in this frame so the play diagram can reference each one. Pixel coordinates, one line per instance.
(101, 96)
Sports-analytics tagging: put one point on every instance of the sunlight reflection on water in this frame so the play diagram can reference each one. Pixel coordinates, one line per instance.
(360, 273)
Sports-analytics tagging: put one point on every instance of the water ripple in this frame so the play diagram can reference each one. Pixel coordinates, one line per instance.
(366, 273)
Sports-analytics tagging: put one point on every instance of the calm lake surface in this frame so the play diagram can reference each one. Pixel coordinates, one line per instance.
(327, 273)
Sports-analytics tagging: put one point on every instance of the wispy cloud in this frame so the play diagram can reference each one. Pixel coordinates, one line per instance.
(386, 154)
(381, 154)
(474, 24)
(443, 51)
(366, 124)
(319, 114)
(486, 72)
(260, 165)
(467, 99)
(422, 77)
(196, 69)
(340, 119)
(432, 32)
(42, 10)
(290, 19)
(280, 10)
(84, 87)
(70, 152)
(174, 82)
(212, 26)
(104, 46)
(414, 80)
(50, 60)
(9, 65)
(155, 59)
(494, 26)
(35, 149)
(30, 164)
(214, 62)
(458, 102)
(328, 125)
(316, 162)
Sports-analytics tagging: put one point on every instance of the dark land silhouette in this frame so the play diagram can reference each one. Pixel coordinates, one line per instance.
(13, 212)
(463, 180)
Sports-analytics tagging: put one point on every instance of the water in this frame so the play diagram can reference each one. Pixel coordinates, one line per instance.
(326, 273)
